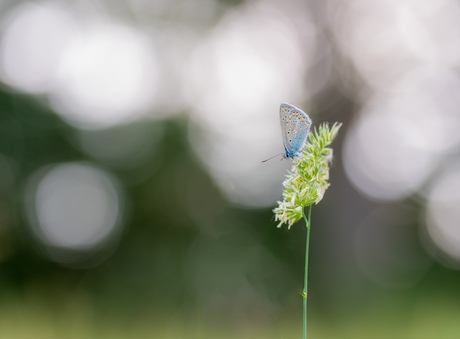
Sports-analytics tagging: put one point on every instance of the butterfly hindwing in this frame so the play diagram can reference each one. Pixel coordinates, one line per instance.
(295, 126)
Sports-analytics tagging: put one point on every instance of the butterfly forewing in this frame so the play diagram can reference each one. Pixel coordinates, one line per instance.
(295, 125)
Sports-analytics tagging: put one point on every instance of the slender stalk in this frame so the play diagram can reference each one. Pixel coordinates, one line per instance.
(305, 283)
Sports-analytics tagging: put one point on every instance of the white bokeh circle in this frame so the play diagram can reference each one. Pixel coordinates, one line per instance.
(74, 206)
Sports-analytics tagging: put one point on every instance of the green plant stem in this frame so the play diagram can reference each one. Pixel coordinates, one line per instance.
(305, 283)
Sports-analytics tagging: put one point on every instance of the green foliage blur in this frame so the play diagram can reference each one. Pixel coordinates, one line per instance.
(200, 267)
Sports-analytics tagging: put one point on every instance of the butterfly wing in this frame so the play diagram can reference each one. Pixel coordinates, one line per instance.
(295, 126)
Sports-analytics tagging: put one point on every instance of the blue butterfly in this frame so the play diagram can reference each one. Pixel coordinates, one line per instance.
(295, 126)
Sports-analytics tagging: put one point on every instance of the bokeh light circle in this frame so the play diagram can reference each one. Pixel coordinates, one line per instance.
(395, 141)
(420, 35)
(32, 44)
(107, 76)
(443, 212)
(74, 206)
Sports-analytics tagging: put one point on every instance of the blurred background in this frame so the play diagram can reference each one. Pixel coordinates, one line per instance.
(133, 201)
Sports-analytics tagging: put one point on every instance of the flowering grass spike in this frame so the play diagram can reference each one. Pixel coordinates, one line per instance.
(307, 181)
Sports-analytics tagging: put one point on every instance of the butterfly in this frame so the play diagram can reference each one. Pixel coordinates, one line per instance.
(295, 126)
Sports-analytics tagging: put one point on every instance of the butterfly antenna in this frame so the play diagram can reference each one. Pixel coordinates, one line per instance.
(273, 157)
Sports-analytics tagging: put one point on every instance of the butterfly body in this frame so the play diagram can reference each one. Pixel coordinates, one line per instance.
(295, 126)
